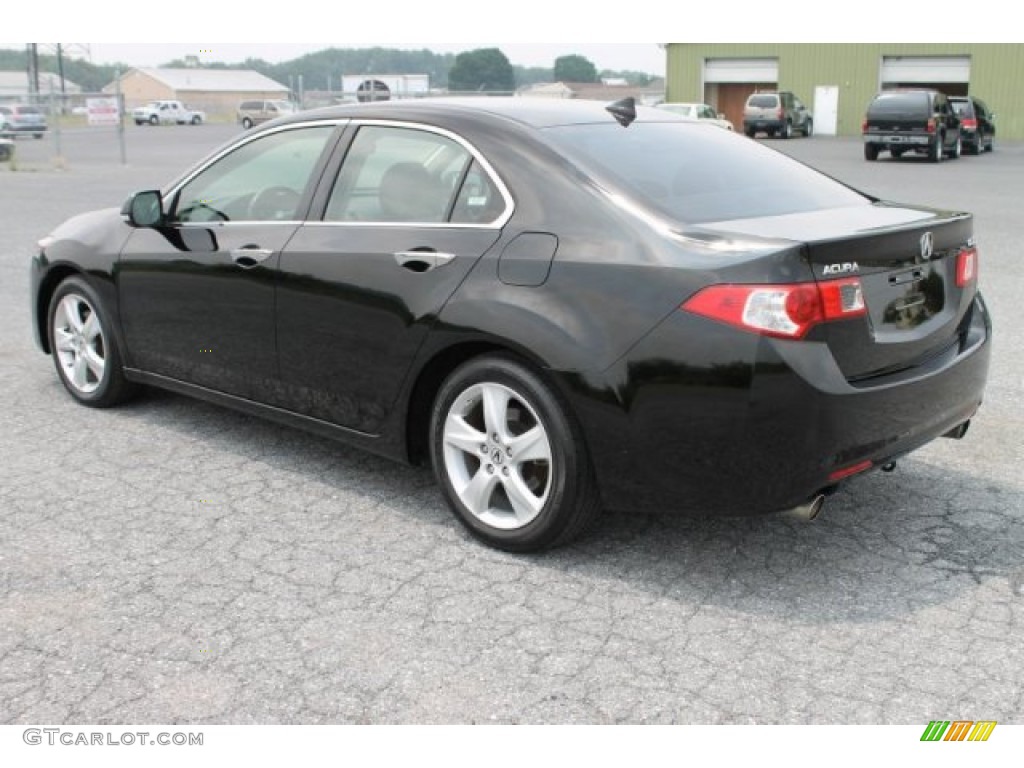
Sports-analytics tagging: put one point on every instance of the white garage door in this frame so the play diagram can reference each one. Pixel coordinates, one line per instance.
(926, 69)
(741, 70)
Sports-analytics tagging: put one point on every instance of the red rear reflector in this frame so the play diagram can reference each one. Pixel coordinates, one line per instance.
(839, 474)
(786, 311)
(966, 267)
(931, 125)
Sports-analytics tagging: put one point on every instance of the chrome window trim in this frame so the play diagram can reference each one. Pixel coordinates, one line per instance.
(245, 140)
(496, 180)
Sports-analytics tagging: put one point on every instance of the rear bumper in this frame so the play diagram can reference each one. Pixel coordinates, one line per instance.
(900, 139)
(702, 418)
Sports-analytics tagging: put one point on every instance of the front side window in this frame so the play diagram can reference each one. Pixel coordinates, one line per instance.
(398, 175)
(262, 180)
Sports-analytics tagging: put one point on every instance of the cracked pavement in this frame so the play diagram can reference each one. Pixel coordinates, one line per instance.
(170, 561)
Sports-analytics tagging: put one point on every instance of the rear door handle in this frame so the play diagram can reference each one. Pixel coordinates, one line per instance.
(250, 256)
(423, 261)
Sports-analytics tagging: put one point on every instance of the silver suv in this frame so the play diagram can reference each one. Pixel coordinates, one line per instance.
(777, 113)
(258, 111)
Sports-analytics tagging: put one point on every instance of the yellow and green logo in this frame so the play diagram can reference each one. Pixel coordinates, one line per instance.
(958, 730)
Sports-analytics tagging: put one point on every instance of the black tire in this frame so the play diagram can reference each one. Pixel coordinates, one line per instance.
(246, 123)
(99, 391)
(871, 152)
(751, 133)
(786, 131)
(992, 143)
(957, 148)
(37, 135)
(140, 122)
(808, 129)
(935, 150)
(557, 493)
(196, 120)
(154, 120)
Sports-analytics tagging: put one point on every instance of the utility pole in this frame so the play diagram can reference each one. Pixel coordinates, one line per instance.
(33, 70)
(60, 73)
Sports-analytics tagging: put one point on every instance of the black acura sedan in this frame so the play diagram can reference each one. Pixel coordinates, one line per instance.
(563, 306)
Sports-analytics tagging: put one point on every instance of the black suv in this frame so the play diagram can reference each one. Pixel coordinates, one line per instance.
(977, 123)
(778, 113)
(911, 121)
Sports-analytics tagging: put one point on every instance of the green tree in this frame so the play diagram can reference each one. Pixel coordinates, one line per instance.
(575, 69)
(485, 69)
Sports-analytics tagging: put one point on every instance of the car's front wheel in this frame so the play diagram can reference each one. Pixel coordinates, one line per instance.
(153, 120)
(84, 350)
(511, 463)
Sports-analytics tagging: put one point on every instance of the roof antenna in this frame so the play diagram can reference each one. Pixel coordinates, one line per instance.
(623, 110)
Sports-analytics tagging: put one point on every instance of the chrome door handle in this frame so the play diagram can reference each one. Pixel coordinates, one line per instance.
(423, 261)
(249, 257)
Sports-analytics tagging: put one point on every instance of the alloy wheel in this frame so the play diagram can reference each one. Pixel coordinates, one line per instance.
(79, 343)
(497, 455)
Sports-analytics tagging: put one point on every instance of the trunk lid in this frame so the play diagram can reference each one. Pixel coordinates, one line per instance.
(906, 261)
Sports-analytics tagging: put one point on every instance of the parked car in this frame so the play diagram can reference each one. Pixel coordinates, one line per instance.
(17, 119)
(977, 123)
(777, 113)
(698, 112)
(561, 307)
(258, 111)
(167, 112)
(913, 120)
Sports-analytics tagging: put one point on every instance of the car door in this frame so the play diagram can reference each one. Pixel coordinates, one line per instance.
(409, 213)
(197, 295)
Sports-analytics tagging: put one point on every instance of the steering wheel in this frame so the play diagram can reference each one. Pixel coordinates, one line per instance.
(274, 204)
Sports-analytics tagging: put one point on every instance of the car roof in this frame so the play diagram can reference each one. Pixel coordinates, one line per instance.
(534, 112)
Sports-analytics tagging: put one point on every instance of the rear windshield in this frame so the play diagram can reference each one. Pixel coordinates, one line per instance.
(962, 108)
(763, 102)
(895, 103)
(693, 172)
(28, 111)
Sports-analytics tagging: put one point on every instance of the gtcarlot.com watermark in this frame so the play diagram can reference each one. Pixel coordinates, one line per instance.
(55, 736)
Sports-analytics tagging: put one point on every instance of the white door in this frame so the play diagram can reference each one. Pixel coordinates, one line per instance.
(826, 109)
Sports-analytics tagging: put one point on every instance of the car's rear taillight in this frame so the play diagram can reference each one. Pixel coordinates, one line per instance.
(969, 122)
(786, 311)
(781, 114)
(931, 125)
(966, 267)
(864, 126)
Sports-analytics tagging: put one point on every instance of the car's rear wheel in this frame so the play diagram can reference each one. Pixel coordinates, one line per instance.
(871, 152)
(787, 130)
(83, 346)
(935, 151)
(808, 129)
(196, 120)
(750, 133)
(957, 148)
(246, 123)
(511, 463)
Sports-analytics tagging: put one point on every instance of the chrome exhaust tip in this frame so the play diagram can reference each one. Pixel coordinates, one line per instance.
(808, 511)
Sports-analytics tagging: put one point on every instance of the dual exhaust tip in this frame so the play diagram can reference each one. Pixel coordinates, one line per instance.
(808, 511)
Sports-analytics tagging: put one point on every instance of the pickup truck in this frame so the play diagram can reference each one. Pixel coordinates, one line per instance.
(166, 112)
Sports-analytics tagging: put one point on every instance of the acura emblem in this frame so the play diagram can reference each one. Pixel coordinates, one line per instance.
(927, 243)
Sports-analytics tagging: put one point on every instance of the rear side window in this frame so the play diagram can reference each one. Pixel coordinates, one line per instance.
(899, 103)
(763, 101)
(694, 173)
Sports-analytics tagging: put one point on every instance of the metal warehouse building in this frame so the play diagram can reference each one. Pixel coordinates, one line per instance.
(836, 81)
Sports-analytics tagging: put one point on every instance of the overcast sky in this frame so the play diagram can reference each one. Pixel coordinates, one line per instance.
(645, 57)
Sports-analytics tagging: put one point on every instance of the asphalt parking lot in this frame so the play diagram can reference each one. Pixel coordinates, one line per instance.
(172, 561)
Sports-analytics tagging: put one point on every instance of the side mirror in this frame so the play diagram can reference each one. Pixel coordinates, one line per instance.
(144, 209)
